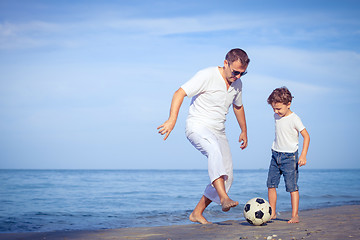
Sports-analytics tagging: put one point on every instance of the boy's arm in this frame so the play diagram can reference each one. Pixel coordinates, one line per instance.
(240, 117)
(169, 124)
(302, 158)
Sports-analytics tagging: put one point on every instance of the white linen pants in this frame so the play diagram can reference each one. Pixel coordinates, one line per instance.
(214, 145)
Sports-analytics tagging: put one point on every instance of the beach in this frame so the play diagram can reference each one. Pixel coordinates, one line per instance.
(341, 222)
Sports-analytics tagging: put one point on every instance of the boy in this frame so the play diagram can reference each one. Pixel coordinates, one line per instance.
(285, 158)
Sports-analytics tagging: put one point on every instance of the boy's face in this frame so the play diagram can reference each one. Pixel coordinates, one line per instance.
(281, 109)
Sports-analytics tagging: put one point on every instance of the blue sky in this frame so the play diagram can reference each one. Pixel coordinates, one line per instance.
(84, 84)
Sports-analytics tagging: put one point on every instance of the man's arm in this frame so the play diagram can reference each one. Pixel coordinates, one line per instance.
(240, 117)
(169, 124)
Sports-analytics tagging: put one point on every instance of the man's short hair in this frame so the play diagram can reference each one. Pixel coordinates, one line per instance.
(237, 54)
(280, 95)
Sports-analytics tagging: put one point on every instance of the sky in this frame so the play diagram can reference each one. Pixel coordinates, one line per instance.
(85, 84)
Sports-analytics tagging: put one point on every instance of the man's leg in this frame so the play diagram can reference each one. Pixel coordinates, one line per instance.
(197, 214)
(225, 200)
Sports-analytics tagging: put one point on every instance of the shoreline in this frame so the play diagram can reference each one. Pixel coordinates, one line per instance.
(340, 222)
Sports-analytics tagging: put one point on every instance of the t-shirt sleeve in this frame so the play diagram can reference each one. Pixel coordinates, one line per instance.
(238, 97)
(299, 126)
(196, 84)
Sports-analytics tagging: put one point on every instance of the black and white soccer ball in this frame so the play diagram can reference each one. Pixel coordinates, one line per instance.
(257, 211)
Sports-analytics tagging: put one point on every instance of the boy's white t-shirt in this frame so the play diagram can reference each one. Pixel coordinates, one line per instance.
(210, 99)
(287, 131)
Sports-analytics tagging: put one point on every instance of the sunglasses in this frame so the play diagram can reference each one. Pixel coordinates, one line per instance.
(235, 73)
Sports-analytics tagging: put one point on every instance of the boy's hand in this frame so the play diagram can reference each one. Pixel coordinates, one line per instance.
(302, 161)
(166, 128)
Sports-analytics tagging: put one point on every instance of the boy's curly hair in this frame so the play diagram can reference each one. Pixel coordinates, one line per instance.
(280, 95)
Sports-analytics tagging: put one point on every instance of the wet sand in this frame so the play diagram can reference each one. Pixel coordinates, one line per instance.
(329, 223)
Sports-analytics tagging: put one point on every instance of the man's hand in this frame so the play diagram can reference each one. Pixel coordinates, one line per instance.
(240, 116)
(169, 124)
(166, 128)
(243, 140)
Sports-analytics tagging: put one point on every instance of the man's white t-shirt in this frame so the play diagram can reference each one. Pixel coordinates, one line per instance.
(210, 98)
(287, 131)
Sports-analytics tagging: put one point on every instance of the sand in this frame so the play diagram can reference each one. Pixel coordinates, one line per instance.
(341, 222)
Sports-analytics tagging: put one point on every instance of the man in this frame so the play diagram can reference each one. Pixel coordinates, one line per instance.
(213, 90)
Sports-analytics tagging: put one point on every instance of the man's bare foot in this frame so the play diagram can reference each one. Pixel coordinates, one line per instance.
(294, 219)
(198, 218)
(273, 217)
(228, 203)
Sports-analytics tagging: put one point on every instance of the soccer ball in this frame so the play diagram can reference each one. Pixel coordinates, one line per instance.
(257, 211)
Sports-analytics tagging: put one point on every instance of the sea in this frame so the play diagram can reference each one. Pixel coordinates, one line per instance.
(64, 200)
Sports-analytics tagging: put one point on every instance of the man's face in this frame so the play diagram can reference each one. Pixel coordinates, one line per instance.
(234, 70)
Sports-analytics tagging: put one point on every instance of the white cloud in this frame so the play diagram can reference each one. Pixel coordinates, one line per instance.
(320, 67)
(269, 83)
(254, 26)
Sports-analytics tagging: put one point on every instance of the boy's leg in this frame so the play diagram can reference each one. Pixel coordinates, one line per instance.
(196, 215)
(295, 207)
(225, 200)
(272, 195)
(291, 176)
(273, 181)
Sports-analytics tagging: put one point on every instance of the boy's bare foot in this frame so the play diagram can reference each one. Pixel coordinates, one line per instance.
(198, 218)
(228, 203)
(273, 217)
(294, 219)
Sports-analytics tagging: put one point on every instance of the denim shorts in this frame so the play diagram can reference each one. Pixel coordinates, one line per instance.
(286, 164)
